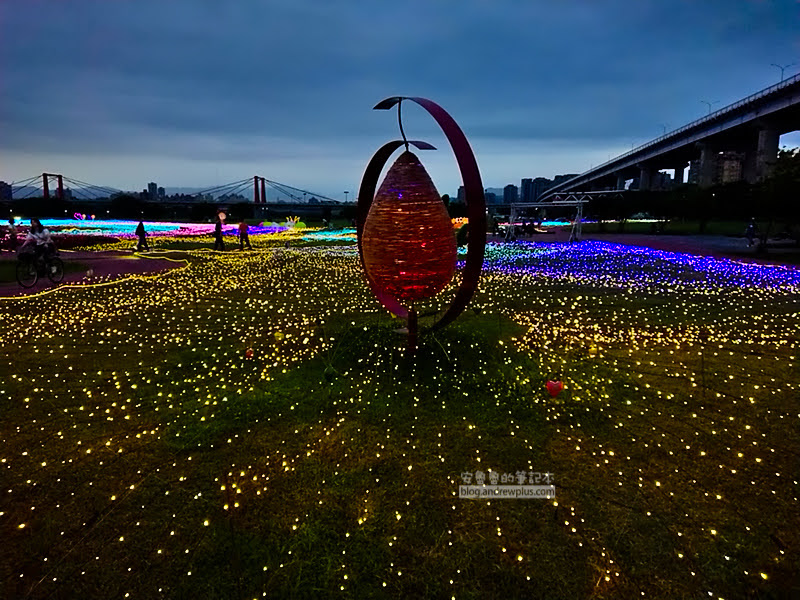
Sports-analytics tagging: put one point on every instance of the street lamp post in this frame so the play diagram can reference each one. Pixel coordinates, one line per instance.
(782, 67)
(709, 104)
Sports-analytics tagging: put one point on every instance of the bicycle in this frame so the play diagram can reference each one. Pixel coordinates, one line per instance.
(31, 267)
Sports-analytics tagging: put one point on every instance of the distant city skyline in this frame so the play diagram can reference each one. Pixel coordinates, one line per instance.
(284, 89)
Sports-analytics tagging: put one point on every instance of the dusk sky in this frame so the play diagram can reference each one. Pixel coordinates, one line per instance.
(200, 93)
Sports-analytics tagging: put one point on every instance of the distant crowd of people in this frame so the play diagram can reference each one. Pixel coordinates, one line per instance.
(38, 240)
(219, 240)
(244, 234)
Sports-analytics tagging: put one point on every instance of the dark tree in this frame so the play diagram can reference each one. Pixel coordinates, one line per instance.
(126, 206)
(779, 194)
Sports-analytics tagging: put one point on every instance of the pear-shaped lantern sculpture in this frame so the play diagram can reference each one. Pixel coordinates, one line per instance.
(408, 243)
(405, 236)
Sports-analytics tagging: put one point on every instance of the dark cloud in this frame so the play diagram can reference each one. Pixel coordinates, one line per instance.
(220, 81)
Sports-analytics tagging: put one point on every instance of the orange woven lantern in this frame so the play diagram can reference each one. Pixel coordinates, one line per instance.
(409, 249)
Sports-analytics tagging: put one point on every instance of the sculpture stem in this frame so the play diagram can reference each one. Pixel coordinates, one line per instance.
(400, 122)
(412, 331)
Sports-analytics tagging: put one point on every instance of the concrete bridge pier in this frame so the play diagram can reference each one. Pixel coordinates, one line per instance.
(749, 164)
(620, 181)
(766, 152)
(645, 177)
(759, 149)
(709, 155)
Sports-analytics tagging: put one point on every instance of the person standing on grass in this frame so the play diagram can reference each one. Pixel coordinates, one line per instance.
(219, 243)
(142, 235)
(244, 237)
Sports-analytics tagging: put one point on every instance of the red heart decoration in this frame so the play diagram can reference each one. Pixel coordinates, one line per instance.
(248, 353)
(554, 387)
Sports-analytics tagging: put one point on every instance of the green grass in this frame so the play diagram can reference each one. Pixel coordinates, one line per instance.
(298, 459)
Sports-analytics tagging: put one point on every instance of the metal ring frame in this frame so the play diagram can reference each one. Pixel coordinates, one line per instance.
(476, 205)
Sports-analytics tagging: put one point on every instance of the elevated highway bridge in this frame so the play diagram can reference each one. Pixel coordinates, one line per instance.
(752, 127)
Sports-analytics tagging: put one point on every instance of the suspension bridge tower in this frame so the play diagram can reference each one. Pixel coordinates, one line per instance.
(259, 197)
(46, 185)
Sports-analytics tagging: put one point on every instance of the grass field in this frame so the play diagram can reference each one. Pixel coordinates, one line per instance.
(143, 453)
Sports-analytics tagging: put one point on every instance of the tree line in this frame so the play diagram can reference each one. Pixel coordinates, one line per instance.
(774, 200)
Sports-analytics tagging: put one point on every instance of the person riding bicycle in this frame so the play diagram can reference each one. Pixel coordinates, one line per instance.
(38, 241)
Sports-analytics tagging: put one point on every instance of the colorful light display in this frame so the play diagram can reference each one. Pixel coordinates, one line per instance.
(126, 229)
(138, 443)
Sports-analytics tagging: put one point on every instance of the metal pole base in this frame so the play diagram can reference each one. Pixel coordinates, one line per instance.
(411, 349)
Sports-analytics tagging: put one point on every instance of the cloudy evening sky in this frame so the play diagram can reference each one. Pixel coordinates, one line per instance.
(200, 93)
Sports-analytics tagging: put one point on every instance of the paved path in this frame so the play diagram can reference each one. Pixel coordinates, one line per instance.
(99, 265)
(109, 265)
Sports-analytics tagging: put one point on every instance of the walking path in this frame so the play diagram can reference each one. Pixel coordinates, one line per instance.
(113, 264)
(99, 266)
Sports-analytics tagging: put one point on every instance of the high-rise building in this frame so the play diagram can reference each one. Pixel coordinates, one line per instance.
(694, 172)
(660, 181)
(462, 195)
(162, 193)
(489, 197)
(531, 189)
(539, 186)
(152, 190)
(526, 190)
(5, 191)
(562, 178)
(510, 194)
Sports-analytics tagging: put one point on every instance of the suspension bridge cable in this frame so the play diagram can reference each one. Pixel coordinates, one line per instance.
(281, 189)
(223, 186)
(314, 194)
(25, 182)
(219, 187)
(80, 191)
(78, 181)
(35, 190)
(22, 185)
(89, 192)
(286, 187)
(238, 189)
(106, 190)
(225, 189)
(100, 189)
